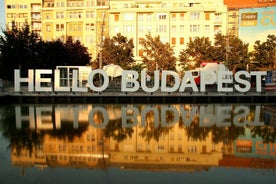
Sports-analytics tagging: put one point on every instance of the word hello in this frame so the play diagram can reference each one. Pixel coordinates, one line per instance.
(49, 118)
(226, 81)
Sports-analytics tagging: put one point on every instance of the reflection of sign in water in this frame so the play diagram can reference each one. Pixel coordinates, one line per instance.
(249, 19)
(46, 117)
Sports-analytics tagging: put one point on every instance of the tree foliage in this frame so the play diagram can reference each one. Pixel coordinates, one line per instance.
(23, 49)
(227, 49)
(117, 50)
(18, 50)
(264, 54)
(200, 49)
(157, 55)
(232, 51)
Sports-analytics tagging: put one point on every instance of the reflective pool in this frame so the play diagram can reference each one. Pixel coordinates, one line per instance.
(147, 143)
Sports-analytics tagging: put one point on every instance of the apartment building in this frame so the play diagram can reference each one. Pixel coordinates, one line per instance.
(176, 22)
(83, 20)
(22, 12)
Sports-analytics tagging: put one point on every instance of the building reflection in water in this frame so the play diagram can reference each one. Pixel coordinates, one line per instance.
(184, 138)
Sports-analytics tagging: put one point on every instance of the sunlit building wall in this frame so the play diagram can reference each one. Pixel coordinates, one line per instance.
(83, 20)
(22, 12)
(176, 22)
(164, 146)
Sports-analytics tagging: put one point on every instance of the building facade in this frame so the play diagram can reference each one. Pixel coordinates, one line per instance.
(176, 22)
(83, 20)
(90, 21)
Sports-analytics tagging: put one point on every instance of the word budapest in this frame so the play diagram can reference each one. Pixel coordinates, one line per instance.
(130, 83)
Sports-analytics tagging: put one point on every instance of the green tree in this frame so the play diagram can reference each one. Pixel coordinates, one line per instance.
(157, 55)
(78, 54)
(200, 49)
(232, 51)
(185, 62)
(228, 49)
(117, 50)
(18, 50)
(56, 53)
(23, 49)
(264, 54)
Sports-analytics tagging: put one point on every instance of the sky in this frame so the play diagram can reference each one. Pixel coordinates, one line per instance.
(2, 15)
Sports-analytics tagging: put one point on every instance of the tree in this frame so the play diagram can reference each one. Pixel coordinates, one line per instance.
(200, 49)
(264, 53)
(18, 50)
(232, 51)
(228, 49)
(78, 54)
(157, 55)
(117, 50)
(56, 53)
(23, 49)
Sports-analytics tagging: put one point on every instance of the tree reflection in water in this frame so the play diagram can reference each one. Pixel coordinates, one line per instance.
(20, 139)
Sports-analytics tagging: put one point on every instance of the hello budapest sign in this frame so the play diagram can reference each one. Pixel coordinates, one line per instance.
(226, 81)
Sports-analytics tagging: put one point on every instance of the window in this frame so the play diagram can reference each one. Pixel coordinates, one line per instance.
(141, 17)
(173, 16)
(194, 28)
(173, 29)
(89, 14)
(128, 28)
(181, 16)
(162, 17)
(141, 52)
(171, 148)
(48, 16)
(217, 29)
(218, 17)
(207, 16)
(149, 17)
(161, 148)
(161, 28)
(179, 133)
(48, 28)
(207, 28)
(57, 27)
(116, 17)
(172, 136)
(90, 3)
(116, 29)
(179, 148)
(173, 41)
(192, 149)
(181, 29)
(194, 16)
(149, 28)
(89, 27)
(181, 41)
(90, 39)
(141, 29)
